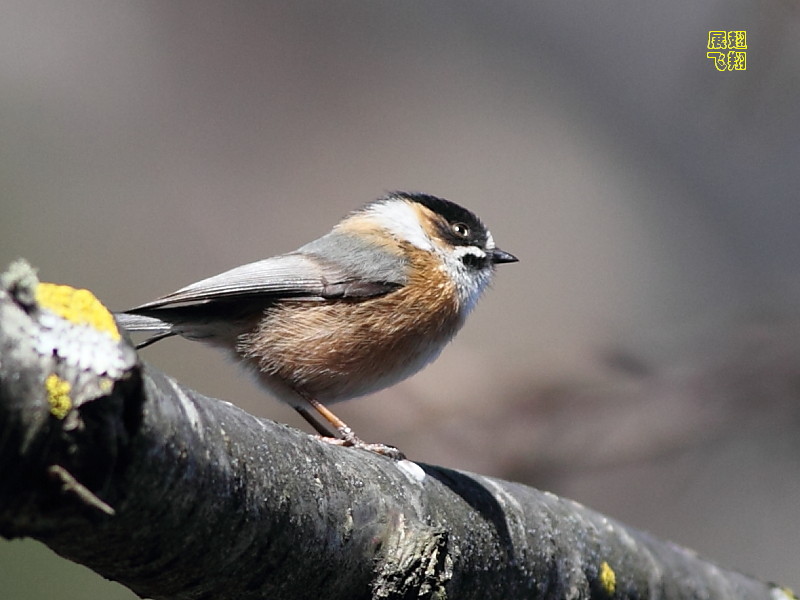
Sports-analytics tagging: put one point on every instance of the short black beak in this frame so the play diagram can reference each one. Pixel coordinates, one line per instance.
(499, 256)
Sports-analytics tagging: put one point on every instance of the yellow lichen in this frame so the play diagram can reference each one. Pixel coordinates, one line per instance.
(58, 395)
(608, 579)
(106, 385)
(77, 306)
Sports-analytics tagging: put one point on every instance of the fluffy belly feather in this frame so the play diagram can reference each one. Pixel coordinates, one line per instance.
(333, 351)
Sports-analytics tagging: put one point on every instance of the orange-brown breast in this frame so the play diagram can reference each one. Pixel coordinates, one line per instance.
(338, 349)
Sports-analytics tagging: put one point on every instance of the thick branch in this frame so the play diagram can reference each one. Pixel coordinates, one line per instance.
(115, 466)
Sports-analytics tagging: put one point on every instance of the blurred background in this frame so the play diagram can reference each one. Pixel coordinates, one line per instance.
(643, 357)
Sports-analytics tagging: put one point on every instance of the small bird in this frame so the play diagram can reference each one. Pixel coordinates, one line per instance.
(359, 309)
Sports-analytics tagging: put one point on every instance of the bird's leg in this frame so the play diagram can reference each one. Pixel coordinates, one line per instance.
(322, 430)
(348, 437)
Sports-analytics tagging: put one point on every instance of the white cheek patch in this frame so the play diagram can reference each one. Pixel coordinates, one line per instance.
(470, 283)
(462, 251)
(402, 220)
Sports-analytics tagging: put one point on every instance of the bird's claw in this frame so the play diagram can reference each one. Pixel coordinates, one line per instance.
(354, 442)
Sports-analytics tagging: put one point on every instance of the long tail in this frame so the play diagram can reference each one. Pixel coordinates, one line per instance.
(134, 323)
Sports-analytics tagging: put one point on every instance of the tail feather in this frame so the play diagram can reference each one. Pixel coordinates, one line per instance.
(153, 325)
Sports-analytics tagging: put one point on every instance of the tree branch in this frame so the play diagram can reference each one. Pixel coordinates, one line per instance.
(114, 465)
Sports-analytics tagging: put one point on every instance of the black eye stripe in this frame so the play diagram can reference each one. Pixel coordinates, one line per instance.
(473, 260)
(447, 233)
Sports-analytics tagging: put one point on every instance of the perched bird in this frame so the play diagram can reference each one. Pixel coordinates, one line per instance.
(355, 311)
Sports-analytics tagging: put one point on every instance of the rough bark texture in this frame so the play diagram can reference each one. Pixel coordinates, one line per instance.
(176, 495)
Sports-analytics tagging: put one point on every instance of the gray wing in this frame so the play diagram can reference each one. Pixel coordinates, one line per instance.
(299, 275)
(215, 309)
(211, 309)
(279, 276)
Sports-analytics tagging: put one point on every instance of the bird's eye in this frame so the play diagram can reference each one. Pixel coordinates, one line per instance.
(461, 230)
